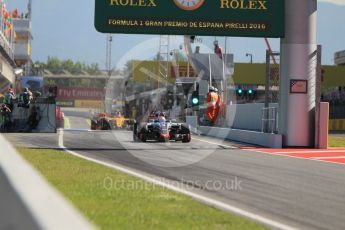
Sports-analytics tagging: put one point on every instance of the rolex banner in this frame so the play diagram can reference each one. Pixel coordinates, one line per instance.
(245, 18)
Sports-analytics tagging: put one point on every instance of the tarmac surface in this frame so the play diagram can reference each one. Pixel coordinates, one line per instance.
(300, 193)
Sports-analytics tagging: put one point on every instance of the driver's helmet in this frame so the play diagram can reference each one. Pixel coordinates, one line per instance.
(102, 115)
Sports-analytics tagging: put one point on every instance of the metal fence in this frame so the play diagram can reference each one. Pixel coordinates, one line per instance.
(269, 120)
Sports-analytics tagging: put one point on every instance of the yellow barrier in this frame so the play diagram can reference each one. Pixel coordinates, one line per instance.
(337, 125)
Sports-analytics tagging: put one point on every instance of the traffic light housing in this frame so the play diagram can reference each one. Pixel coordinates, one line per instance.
(252, 94)
(239, 92)
(195, 99)
(247, 94)
(168, 100)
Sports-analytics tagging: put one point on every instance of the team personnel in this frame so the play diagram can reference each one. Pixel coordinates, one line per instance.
(5, 118)
(161, 118)
(212, 107)
(6, 110)
(9, 99)
(217, 49)
(25, 98)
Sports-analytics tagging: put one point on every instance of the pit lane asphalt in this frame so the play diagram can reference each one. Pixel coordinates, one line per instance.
(300, 193)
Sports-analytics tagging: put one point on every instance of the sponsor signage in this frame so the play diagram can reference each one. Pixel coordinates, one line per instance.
(298, 86)
(247, 18)
(88, 104)
(339, 57)
(65, 103)
(72, 93)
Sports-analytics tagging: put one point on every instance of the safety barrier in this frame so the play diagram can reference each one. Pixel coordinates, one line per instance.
(48, 208)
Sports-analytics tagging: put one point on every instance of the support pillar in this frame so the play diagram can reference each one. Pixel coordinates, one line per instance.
(298, 62)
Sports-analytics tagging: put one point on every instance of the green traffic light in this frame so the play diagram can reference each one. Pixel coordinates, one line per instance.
(195, 101)
(250, 91)
(239, 91)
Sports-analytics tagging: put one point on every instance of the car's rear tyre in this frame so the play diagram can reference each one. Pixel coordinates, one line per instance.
(186, 133)
(93, 125)
(142, 133)
(143, 138)
(187, 138)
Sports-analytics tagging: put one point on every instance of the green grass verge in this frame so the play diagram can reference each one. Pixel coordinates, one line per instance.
(114, 200)
(336, 141)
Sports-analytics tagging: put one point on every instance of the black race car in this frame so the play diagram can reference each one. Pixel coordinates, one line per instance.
(101, 124)
(161, 131)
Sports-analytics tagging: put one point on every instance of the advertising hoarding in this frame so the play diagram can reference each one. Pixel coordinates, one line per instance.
(247, 18)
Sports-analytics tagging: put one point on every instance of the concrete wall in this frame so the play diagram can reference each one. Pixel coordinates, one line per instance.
(245, 136)
(243, 125)
(246, 116)
(47, 119)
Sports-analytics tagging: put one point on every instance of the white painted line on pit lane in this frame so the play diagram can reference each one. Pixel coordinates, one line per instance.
(79, 130)
(313, 151)
(204, 199)
(323, 158)
(284, 154)
(214, 143)
(61, 144)
(295, 157)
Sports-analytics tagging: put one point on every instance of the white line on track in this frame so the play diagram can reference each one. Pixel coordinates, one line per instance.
(204, 199)
(214, 143)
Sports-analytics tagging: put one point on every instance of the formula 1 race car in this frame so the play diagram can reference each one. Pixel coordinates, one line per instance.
(161, 131)
(103, 122)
